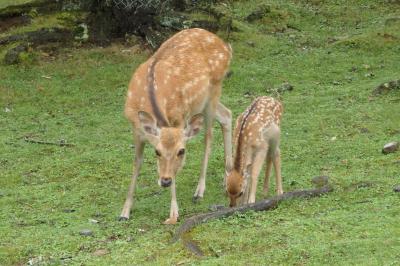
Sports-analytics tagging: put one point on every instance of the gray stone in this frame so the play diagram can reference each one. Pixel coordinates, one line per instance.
(287, 86)
(251, 43)
(86, 232)
(390, 147)
(396, 188)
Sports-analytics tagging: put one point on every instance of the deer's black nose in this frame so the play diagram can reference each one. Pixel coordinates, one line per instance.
(166, 181)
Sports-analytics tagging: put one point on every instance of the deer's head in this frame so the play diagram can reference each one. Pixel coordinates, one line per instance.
(169, 144)
(235, 186)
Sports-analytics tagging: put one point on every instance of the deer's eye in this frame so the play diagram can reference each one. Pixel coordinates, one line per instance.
(158, 153)
(181, 152)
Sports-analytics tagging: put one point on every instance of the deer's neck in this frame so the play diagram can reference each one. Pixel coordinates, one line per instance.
(241, 146)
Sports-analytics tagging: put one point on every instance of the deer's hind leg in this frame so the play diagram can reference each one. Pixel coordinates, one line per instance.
(208, 135)
(277, 166)
(268, 169)
(224, 118)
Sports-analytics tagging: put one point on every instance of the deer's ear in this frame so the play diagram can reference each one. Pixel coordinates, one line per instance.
(149, 126)
(194, 126)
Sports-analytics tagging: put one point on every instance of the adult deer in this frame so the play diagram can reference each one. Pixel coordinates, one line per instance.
(170, 97)
(257, 139)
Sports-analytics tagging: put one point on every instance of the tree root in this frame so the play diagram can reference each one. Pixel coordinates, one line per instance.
(263, 205)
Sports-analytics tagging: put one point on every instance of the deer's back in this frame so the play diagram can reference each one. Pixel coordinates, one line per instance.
(186, 67)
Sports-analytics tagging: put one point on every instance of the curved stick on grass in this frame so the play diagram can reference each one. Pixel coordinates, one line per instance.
(263, 205)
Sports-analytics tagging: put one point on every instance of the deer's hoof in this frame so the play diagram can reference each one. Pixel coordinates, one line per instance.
(171, 220)
(196, 199)
(123, 218)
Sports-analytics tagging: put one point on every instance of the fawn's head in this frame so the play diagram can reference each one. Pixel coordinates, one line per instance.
(169, 144)
(235, 185)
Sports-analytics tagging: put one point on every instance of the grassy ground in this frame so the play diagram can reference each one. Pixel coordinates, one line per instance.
(333, 53)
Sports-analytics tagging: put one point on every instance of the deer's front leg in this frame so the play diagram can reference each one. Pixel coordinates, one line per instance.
(255, 171)
(224, 118)
(139, 147)
(173, 214)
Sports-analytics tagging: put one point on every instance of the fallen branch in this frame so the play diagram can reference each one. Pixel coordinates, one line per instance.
(263, 205)
(61, 143)
(40, 36)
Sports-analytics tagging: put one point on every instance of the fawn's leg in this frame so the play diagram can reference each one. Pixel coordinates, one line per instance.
(258, 161)
(277, 166)
(268, 169)
(139, 147)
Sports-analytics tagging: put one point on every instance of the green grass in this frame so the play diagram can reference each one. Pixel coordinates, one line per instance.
(331, 126)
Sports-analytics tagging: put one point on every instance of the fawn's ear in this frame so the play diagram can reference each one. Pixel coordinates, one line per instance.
(194, 126)
(149, 126)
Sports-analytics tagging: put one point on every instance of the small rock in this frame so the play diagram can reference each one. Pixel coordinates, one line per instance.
(250, 43)
(86, 232)
(216, 207)
(396, 188)
(369, 75)
(390, 147)
(320, 181)
(93, 221)
(68, 210)
(287, 87)
(101, 252)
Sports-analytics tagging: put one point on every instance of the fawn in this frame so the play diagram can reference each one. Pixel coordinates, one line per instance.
(170, 97)
(257, 139)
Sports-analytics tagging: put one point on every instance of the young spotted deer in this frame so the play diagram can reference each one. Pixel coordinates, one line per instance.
(170, 97)
(257, 139)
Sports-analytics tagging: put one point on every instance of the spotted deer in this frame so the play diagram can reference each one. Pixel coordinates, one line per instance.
(257, 134)
(170, 98)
